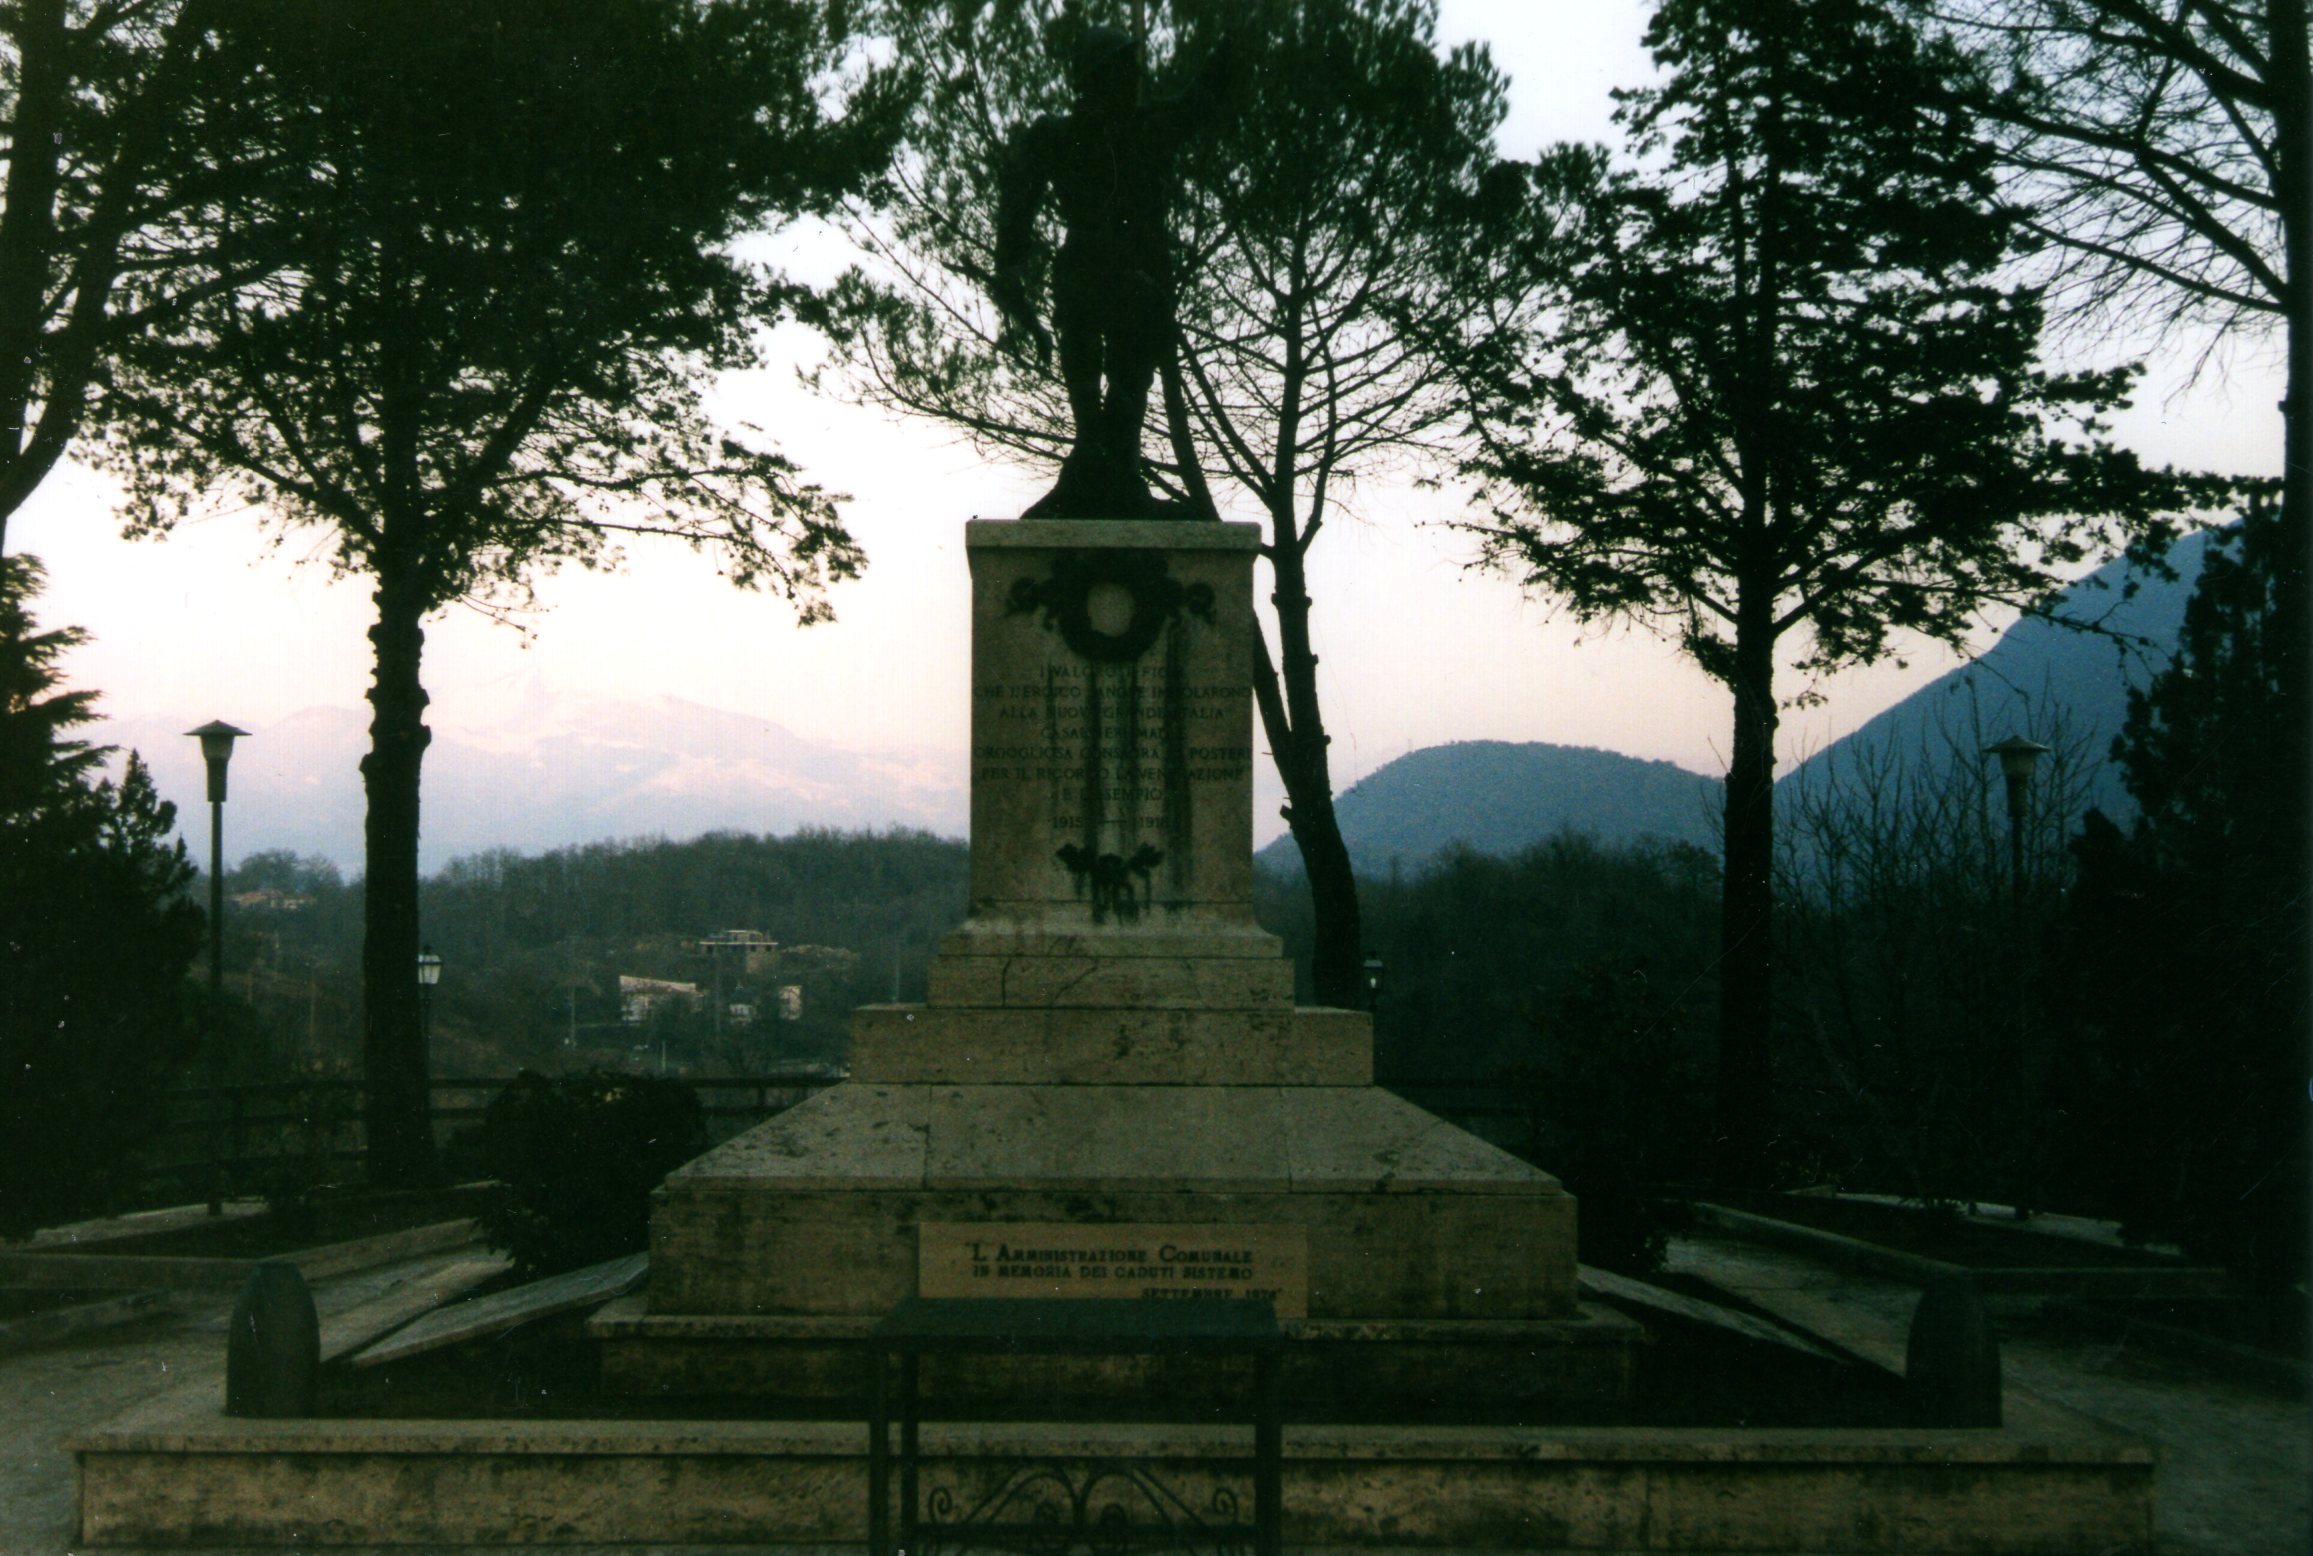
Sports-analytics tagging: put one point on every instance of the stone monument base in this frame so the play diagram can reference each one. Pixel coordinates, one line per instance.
(1408, 1258)
(824, 1209)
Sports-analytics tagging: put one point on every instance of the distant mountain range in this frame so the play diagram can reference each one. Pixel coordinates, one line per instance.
(540, 770)
(2058, 685)
(530, 769)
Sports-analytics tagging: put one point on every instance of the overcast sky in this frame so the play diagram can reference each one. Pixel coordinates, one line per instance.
(1415, 650)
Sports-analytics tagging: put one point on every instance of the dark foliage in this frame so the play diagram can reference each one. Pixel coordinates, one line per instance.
(1616, 1102)
(1925, 1053)
(1787, 408)
(507, 269)
(96, 934)
(2188, 939)
(856, 890)
(131, 129)
(541, 941)
(577, 1158)
(535, 945)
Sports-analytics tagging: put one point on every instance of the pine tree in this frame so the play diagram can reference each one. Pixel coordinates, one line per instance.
(1787, 409)
(95, 928)
(2196, 979)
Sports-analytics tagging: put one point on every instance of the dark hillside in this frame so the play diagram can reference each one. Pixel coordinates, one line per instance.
(1497, 797)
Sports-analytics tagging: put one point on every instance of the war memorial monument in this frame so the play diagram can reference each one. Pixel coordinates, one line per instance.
(1110, 1105)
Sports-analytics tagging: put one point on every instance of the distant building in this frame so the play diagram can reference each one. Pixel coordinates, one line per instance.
(739, 1010)
(638, 997)
(791, 1002)
(267, 900)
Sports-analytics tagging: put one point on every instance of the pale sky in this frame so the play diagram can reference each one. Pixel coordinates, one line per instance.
(1414, 649)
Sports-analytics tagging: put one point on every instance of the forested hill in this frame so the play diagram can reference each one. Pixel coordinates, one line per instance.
(535, 946)
(860, 890)
(1499, 797)
(2059, 685)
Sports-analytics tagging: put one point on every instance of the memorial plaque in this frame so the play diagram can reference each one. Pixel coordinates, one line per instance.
(1061, 1260)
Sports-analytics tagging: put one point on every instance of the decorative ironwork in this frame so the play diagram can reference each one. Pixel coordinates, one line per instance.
(1049, 1509)
(1066, 600)
(1109, 877)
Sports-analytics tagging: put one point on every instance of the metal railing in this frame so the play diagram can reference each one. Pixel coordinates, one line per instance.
(315, 1126)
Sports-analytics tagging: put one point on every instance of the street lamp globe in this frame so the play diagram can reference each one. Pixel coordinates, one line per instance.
(429, 968)
(216, 738)
(2018, 757)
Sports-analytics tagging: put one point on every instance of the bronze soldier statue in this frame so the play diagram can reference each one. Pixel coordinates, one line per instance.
(1109, 161)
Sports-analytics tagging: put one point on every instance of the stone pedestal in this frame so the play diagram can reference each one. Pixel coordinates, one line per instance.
(1109, 1091)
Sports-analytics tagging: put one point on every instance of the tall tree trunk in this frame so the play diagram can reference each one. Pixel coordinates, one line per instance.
(1747, 905)
(2293, 192)
(2292, 83)
(1295, 727)
(28, 222)
(394, 1062)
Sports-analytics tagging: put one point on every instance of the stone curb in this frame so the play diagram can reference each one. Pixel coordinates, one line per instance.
(61, 1268)
(1873, 1259)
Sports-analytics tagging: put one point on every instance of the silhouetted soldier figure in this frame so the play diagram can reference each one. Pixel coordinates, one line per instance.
(1109, 161)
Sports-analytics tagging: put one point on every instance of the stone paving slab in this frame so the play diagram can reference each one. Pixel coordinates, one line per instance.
(351, 1330)
(1869, 1258)
(589, 1287)
(2236, 1457)
(58, 1323)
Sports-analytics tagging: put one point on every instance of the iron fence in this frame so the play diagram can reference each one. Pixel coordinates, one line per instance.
(312, 1131)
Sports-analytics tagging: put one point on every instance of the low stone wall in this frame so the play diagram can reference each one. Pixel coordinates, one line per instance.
(1393, 1370)
(178, 1473)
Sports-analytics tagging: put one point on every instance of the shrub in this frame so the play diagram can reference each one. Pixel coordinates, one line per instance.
(576, 1158)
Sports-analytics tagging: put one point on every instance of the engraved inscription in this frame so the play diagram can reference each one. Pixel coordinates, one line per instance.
(1044, 730)
(1062, 1260)
(1111, 758)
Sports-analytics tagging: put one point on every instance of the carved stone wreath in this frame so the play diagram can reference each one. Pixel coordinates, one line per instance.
(1065, 598)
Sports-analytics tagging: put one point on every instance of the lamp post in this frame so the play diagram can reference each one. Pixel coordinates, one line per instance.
(429, 974)
(216, 738)
(2018, 757)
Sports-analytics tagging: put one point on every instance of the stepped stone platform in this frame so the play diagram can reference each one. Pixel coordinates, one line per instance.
(1109, 1060)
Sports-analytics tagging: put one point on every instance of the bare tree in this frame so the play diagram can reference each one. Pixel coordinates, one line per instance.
(1916, 981)
(2164, 148)
(2151, 145)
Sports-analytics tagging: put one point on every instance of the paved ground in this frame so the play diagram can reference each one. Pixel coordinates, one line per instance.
(2234, 1457)
(2233, 1478)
